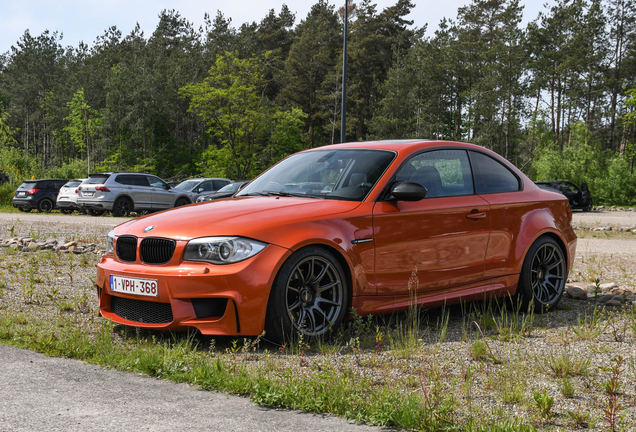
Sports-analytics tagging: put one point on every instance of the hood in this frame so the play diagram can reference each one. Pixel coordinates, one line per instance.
(246, 216)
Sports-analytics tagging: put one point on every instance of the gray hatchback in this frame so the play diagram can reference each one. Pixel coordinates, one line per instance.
(123, 193)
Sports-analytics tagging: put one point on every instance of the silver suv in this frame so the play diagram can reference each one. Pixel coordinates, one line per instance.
(123, 193)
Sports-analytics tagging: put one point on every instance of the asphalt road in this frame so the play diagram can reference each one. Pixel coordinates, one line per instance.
(39, 393)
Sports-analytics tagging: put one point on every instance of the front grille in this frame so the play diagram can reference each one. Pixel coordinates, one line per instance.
(141, 311)
(156, 250)
(127, 248)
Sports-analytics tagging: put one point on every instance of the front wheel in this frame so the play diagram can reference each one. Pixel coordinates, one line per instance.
(309, 296)
(181, 202)
(543, 275)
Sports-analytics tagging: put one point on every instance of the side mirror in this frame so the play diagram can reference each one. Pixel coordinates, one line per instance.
(166, 186)
(409, 191)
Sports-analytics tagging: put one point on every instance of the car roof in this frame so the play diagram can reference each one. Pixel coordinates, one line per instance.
(42, 179)
(398, 145)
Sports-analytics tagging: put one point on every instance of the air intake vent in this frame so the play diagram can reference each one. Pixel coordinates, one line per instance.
(141, 311)
(156, 250)
(127, 248)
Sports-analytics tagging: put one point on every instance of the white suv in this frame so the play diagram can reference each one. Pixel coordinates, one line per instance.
(123, 193)
(67, 198)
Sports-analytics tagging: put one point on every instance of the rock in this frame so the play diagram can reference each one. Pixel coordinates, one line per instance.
(608, 286)
(69, 244)
(13, 245)
(77, 249)
(600, 207)
(32, 246)
(51, 241)
(70, 248)
(630, 298)
(632, 209)
(618, 291)
(605, 298)
(59, 248)
(575, 292)
(613, 303)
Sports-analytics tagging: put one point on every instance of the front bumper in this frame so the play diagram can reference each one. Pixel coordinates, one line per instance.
(242, 288)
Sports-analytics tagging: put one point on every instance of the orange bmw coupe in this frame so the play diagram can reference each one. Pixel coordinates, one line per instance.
(340, 227)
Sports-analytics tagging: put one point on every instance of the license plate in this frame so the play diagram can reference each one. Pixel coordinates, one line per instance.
(21, 194)
(88, 193)
(127, 285)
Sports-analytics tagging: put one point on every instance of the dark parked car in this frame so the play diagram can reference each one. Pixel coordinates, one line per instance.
(579, 197)
(225, 192)
(38, 194)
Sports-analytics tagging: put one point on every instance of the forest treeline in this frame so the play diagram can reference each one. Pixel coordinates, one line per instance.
(556, 96)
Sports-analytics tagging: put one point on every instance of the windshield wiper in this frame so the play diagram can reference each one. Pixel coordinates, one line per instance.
(285, 194)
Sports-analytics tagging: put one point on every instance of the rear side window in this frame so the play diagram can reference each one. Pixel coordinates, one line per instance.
(27, 185)
(491, 176)
(218, 184)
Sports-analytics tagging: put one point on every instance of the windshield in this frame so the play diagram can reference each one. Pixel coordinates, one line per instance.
(73, 183)
(187, 185)
(333, 174)
(232, 187)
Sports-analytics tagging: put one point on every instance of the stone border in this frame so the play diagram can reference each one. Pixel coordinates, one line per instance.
(28, 244)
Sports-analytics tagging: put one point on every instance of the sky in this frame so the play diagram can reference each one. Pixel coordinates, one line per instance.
(84, 20)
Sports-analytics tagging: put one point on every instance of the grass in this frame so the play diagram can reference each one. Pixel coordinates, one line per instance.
(474, 367)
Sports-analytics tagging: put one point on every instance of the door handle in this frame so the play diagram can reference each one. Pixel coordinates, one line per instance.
(476, 216)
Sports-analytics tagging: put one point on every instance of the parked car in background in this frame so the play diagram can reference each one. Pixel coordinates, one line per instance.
(123, 193)
(579, 198)
(173, 183)
(40, 194)
(67, 197)
(340, 227)
(225, 192)
(201, 186)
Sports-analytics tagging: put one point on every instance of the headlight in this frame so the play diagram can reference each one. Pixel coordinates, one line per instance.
(222, 250)
(110, 242)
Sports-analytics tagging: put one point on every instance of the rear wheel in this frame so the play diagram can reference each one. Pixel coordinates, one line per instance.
(310, 296)
(122, 207)
(543, 275)
(45, 205)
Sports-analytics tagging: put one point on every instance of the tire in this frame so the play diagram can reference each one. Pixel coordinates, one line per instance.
(543, 275)
(95, 212)
(181, 202)
(310, 295)
(24, 209)
(122, 207)
(66, 211)
(45, 205)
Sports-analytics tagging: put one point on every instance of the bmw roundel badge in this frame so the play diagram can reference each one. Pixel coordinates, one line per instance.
(150, 228)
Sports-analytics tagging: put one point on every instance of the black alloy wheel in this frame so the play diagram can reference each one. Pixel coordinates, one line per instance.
(310, 296)
(45, 205)
(181, 202)
(122, 207)
(543, 274)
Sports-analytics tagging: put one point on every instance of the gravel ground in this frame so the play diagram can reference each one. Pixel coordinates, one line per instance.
(498, 383)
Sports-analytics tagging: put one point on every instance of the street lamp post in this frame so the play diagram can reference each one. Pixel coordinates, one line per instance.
(343, 109)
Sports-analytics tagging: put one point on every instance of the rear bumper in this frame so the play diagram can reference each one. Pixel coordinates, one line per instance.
(25, 203)
(70, 205)
(95, 205)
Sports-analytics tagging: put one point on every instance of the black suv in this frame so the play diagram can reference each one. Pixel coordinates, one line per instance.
(579, 198)
(38, 194)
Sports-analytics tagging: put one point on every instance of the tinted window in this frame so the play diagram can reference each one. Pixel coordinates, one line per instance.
(206, 186)
(73, 183)
(443, 172)
(491, 176)
(27, 185)
(98, 180)
(218, 184)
